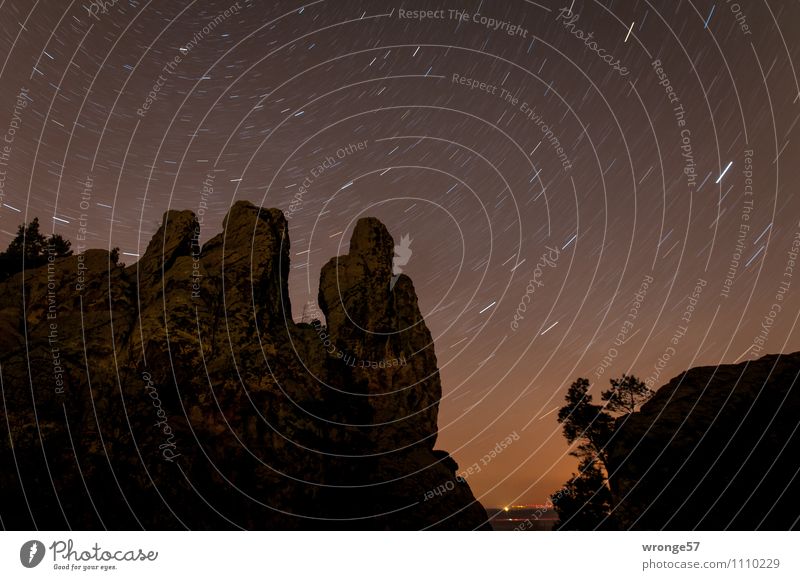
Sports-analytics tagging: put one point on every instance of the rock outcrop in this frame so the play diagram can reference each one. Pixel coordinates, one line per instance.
(178, 393)
(715, 448)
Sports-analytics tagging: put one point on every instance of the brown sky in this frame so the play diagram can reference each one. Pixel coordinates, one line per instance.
(262, 97)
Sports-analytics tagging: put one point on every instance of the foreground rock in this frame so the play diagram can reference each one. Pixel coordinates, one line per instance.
(178, 393)
(716, 448)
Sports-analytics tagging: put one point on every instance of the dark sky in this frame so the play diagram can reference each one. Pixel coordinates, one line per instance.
(667, 179)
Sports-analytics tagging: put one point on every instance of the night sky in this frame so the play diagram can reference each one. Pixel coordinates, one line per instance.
(588, 192)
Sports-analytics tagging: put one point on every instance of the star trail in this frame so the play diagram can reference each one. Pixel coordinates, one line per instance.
(581, 182)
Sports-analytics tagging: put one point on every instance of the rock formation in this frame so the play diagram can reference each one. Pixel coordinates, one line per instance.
(716, 448)
(178, 393)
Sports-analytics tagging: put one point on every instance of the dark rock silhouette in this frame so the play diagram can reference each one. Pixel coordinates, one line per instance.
(178, 393)
(715, 448)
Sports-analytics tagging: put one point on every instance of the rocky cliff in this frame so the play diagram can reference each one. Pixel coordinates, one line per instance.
(178, 393)
(716, 448)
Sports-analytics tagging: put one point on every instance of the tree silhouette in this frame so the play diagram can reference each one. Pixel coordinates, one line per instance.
(583, 421)
(28, 241)
(584, 502)
(625, 394)
(60, 246)
(31, 248)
